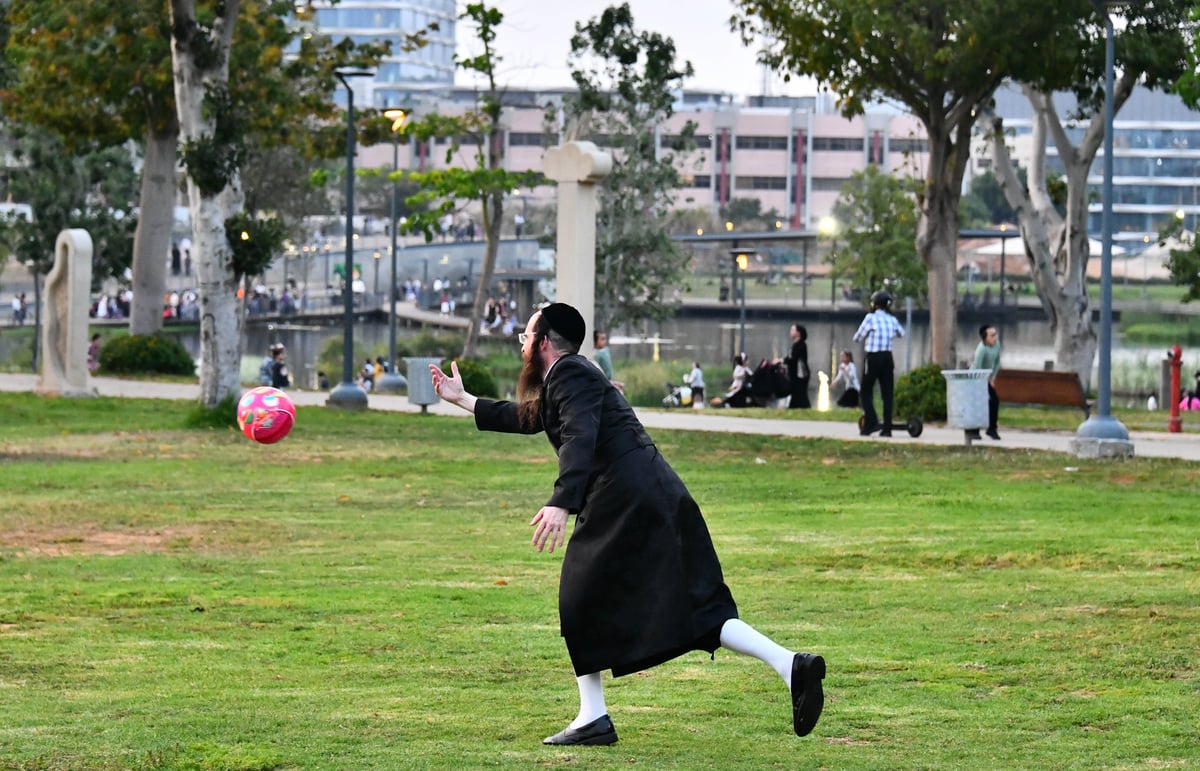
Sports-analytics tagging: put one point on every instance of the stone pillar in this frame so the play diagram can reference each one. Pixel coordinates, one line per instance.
(65, 321)
(577, 167)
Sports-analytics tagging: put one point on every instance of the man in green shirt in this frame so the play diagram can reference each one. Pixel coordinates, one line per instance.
(987, 356)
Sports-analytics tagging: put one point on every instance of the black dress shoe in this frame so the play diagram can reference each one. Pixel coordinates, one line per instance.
(885, 433)
(599, 731)
(807, 698)
(993, 433)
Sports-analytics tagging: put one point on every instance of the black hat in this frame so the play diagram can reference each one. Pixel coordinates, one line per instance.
(566, 321)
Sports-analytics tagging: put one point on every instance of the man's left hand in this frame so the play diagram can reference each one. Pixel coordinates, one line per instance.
(551, 527)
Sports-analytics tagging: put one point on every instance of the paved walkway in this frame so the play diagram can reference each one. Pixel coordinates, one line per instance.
(1146, 443)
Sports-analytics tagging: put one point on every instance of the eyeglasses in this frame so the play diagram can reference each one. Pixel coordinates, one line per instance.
(522, 337)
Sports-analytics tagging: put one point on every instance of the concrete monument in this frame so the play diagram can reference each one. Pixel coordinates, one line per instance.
(65, 321)
(577, 167)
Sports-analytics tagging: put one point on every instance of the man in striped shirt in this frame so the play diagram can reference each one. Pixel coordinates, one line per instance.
(877, 331)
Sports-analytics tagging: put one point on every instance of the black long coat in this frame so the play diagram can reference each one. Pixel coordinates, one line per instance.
(641, 583)
(798, 375)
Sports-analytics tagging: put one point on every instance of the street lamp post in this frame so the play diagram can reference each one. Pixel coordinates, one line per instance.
(827, 226)
(347, 394)
(1102, 430)
(392, 381)
(741, 260)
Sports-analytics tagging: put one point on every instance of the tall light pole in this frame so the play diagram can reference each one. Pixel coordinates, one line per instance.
(347, 394)
(392, 381)
(827, 226)
(1102, 429)
(741, 260)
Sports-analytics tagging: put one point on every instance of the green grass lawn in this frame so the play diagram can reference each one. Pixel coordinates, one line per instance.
(363, 596)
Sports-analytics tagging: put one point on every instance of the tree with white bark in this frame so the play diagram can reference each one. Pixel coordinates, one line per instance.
(1152, 47)
(942, 60)
(200, 54)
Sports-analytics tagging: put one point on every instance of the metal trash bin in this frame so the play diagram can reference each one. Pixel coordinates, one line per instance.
(420, 384)
(966, 398)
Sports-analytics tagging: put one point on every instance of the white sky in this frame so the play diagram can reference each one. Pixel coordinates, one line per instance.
(535, 38)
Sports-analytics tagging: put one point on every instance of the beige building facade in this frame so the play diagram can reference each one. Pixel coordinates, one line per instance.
(793, 157)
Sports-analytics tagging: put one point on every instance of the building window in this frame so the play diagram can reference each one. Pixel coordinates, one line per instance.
(751, 142)
(528, 139)
(675, 141)
(828, 184)
(908, 145)
(761, 183)
(838, 144)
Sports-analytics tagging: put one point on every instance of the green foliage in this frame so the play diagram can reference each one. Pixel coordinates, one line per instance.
(748, 214)
(212, 160)
(922, 393)
(145, 354)
(476, 377)
(984, 204)
(626, 82)
(1184, 264)
(254, 242)
(94, 190)
(223, 415)
(877, 216)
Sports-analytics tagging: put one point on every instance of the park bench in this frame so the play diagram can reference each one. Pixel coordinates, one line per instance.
(1036, 386)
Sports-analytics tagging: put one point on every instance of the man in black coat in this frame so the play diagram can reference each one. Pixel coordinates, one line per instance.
(640, 583)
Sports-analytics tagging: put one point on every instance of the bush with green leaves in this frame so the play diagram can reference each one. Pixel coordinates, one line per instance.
(477, 379)
(224, 415)
(156, 354)
(922, 393)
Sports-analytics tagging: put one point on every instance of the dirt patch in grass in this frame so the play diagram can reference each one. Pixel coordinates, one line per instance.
(92, 540)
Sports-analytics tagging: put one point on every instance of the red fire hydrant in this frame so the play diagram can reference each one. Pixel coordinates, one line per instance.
(1175, 424)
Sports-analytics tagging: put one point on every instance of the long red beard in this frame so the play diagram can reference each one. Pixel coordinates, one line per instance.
(529, 393)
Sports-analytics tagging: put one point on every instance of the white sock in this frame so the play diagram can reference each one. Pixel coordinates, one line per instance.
(740, 637)
(591, 699)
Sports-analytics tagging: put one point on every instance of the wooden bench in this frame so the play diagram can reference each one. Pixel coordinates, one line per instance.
(1035, 386)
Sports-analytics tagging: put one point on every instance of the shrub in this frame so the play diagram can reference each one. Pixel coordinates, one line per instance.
(155, 354)
(922, 393)
(477, 379)
(224, 415)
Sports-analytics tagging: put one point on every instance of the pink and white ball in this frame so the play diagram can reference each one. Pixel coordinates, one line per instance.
(266, 414)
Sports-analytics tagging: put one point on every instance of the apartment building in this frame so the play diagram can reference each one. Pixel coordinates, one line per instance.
(793, 154)
(1156, 160)
(403, 75)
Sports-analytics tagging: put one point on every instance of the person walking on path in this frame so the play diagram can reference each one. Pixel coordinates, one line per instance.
(877, 331)
(797, 368)
(987, 356)
(640, 582)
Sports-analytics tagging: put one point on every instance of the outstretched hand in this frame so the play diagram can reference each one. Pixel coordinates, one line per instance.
(449, 387)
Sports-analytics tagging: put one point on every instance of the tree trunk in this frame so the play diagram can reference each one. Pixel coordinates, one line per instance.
(493, 209)
(937, 232)
(152, 240)
(201, 59)
(220, 312)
